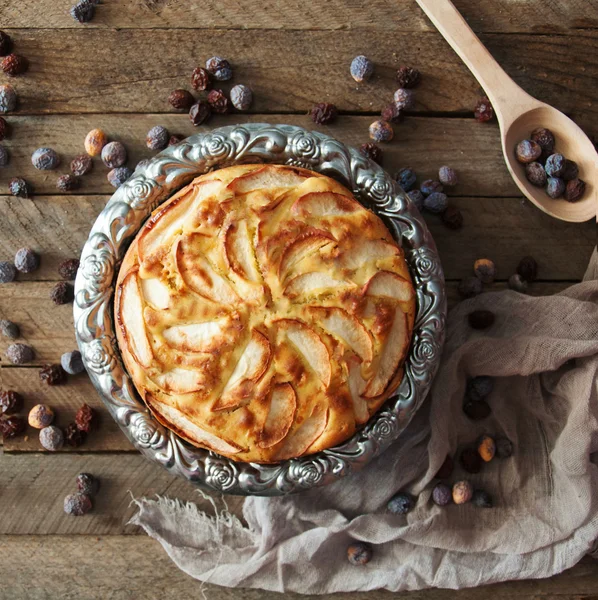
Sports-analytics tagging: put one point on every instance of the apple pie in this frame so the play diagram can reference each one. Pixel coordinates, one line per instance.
(263, 313)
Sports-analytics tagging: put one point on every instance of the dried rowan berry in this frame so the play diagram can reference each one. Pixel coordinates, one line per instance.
(436, 203)
(116, 177)
(536, 174)
(381, 131)
(51, 438)
(555, 187)
(504, 447)
(62, 293)
(575, 190)
(418, 199)
(401, 504)
(45, 159)
(8, 328)
(114, 155)
(19, 354)
(429, 186)
(84, 418)
(81, 165)
(477, 411)
(391, 113)
(362, 68)
(219, 67)
(67, 183)
(8, 98)
(462, 492)
(26, 260)
(408, 77)
(480, 319)
(3, 128)
(470, 460)
(12, 426)
(469, 287)
(555, 165)
(175, 139)
(481, 499)
(199, 113)
(483, 111)
(157, 138)
(442, 494)
(359, 553)
(570, 171)
(4, 158)
(87, 484)
(77, 505)
(479, 387)
(544, 138)
(14, 65)
(371, 151)
(5, 43)
(68, 269)
(72, 362)
(446, 470)
(73, 436)
(485, 270)
(448, 176)
(40, 416)
(181, 99)
(406, 178)
(7, 272)
(52, 374)
(95, 141)
(218, 101)
(527, 151)
(486, 448)
(528, 269)
(517, 283)
(452, 218)
(241, 97)
(83, 11)
(200, 79)
(10, 402)
(404, 98)
(323, 113)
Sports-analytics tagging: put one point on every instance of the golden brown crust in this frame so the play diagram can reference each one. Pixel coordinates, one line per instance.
(263, 313)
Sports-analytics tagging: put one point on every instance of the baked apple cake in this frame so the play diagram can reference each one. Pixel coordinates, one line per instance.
(263, 313)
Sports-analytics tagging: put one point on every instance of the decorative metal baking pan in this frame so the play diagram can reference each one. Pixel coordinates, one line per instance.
(153, 183)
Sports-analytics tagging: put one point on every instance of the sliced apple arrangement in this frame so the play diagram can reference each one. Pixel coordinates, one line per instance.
(263, 313)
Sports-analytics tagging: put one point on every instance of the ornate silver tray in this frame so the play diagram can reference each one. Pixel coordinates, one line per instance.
(153, 183)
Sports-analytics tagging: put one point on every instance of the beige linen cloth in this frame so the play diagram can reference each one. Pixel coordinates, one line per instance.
(543, 352)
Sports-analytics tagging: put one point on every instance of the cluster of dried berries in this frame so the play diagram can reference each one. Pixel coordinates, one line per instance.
(324, 113)
(80, 503)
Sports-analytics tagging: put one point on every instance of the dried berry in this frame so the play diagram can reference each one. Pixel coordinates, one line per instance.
(429, 186)
(448, 176)
(359, 553)
(528, 269)
(462, 492)
(3, 128)
(477, 411)
(7, 272)
(181, 99)
(83, 11)
(68, 269)
(371, 151)
(10, 402)
(12, 426)
(479, 387)
(401, 504)
(40, 416)
(62, 293)
(200, 79)
(555, 165)
(87, 484)
(19, 354)
(485, 270)
(391, 113)
(452, 218)
(219, 67)
(406, 178)
(470, 460)
(8, 98)
(324, 113)
(555, 187)
(417, 198)
(480, 319)
(52, 374)
(81, 165)
(504, 448)
(527, 151)
(67, 183)
(544, 138)
(481, 499)
(469, 287)
(483, 110)
(570, 171)
(116, 177)
(8, 328)
(218, 101)
(241, 97)
(404, 98)
(436, 203)
(72, 362)
(362, 68)
(536, 174)
(446, 470)
(4, 157)
(486, 448)
(442, 494)
(156, 139)
(51, 438)
(26, 260)
(199, 113)
(14, 65)
(381, 131)
(45, 159)
(517, 283)
(5, 43)
(575, 190)
(85, 418)
(77, 505)
(114, 155)
(408, 77)
(73, 436)
(174, 140)
(95, 141)
(19, 187)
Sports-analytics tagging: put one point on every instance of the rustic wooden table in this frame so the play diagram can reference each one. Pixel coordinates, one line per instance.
(116, 73)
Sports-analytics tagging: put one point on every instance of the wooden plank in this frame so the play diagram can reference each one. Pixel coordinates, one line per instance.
(127, 70)
(379, 15)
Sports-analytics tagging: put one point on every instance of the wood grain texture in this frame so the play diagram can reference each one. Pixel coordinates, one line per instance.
(127, 70)
(379, 15)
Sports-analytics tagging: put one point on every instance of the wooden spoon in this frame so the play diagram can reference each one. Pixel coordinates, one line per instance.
(519, 114)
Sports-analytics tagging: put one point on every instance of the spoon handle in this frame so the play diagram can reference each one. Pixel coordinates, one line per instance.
(507, 98)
